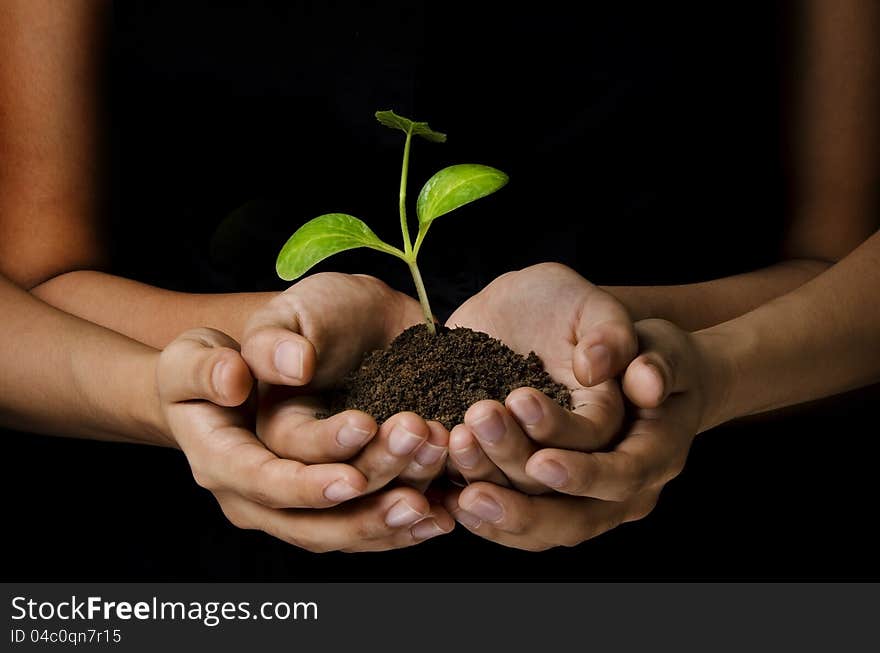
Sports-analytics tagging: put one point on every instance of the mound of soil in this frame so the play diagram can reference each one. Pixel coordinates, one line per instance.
(440, 376)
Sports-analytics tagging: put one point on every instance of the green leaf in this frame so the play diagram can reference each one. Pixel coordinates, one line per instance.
(456, 186)
(322, 237)
(391, 119)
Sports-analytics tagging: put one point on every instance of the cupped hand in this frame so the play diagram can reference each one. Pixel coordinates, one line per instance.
(204, 386)
(668, 384)
(584, 337)
(305, 341)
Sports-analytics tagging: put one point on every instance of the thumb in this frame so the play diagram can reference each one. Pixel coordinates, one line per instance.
(204, 364)
(274, 348)
(606, 340)
(660, 369)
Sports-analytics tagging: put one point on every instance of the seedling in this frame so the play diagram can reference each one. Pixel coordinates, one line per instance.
(446, 191)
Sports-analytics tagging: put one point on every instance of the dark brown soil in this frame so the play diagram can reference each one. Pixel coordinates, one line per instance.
(441, 376)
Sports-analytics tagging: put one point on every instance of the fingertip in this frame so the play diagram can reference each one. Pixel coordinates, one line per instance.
(352, 477)
(437, 434)
(543, 468)
(604, 351)
(231, 378)
(460, 438)
(293, 359)
(414, 499)
(527, 405)
(480, 411)
(644, 384)
(413, 423)
(443, 518)
(356, 430)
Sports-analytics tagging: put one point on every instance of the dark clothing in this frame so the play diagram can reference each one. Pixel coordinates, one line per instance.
(643, 143)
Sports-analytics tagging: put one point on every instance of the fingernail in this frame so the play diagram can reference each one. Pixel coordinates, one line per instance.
(527, 410)
(289, 360)
(550, 473)
(466, 458)
(402, 514)
(486, 508)
(428, 454)
(402, 442)
(217, 378)
(489, 428)
(351, 436)
(469, 520)
(599, 357)
(339, 491)
(425, 529)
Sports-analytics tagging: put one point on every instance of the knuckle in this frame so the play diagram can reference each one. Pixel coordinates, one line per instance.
(572, 538)
(551, 268)
(641, 510)
(236, 518)
(204, 481)
(260, 496)
(634, 478)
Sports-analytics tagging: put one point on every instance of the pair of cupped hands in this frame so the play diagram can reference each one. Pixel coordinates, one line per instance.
(535, 475)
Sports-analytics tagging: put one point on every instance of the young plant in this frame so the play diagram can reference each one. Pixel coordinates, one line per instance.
(446, 191)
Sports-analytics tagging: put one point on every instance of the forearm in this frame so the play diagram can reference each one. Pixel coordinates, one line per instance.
(65, 376)
(820, 339)
(151, 315)
(701, 305)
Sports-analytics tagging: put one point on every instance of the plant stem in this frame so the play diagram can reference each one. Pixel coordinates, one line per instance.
(407, 245)
(423, 296)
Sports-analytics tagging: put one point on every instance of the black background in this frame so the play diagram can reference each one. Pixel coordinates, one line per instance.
(645, 144)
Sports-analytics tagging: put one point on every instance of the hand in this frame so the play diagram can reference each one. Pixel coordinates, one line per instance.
(203, 386)
(583, 335)
(304, 341)
(669, 383)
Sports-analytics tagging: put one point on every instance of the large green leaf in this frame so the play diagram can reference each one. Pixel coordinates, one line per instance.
(391, 119)
(456, 186)
(325, 236)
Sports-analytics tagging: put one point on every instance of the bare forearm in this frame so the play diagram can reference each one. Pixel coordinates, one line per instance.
(700, 305)
(66, 376)
(151, 315)
(820, 339)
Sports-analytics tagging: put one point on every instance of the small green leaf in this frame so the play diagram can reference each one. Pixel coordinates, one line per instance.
(391, 119)
(325, 236)
(456, 186)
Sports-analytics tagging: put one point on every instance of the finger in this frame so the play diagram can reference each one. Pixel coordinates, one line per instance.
(470, 460)
(606, 340)
(660, 369)
(438, 522)
(351, 526)
(393, 448)
(204, 364)
(503, 441)
(291, 429)
(273, 345)
(647, 457)
(590, 426)
(236, 461)
(537, 523)
(429, 460)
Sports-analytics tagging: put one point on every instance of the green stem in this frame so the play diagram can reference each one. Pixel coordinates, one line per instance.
(407, 245)
(423, 296)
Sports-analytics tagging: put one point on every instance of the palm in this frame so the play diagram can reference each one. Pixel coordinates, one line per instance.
(344, 317)
(537, 309)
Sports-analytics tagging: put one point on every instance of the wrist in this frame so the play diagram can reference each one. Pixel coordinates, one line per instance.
(146, 405)
(718, 375)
